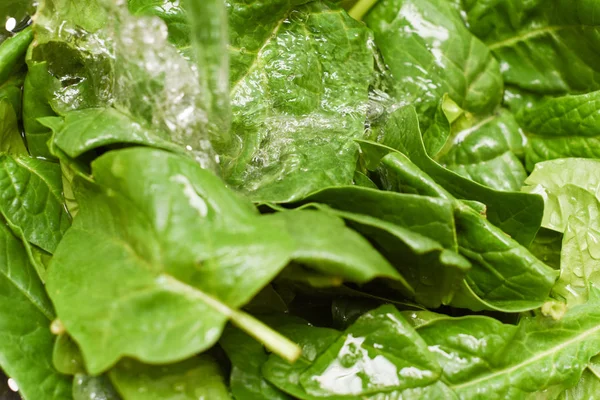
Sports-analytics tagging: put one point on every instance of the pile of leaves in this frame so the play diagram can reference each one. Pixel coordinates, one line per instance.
(296, 199)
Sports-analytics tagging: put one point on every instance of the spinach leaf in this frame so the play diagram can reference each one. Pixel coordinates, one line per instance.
(31, 200)
(116, 218)
(505, 275)
(553, 180)
(195, 378)
(137, 212)
(483, 357)
(12, 52)
(517, 214)
(586, 388)
(93, 128)
(322, 242)
(25, 316)
(363, 358)
(434, 219)
(569, 188)
(300, 79)
(541, 47)
(66, 356)
(486, 150)
(379, 352)
(10, 91)
(560, 127)
(10, 137)
(37, 94)
(547, 247)
(247, 358)
(430, 53)
(422, 246)
(313, 341)
(87, 387)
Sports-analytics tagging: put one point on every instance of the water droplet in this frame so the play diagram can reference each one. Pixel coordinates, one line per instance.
(11, 23)
(12, 384)
(179, 387)
(593, 242)
(298, 16)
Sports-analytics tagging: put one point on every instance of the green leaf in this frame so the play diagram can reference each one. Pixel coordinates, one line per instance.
(37, 93)
(267, 300)
(12, 53)
(25, 315)
(569, 187)
(587, 388)
(246, 40)
(31, 200)
(436, 136)
(346, 310)
(247, 357)
(313, 342)
(554, 179)
(200, 232)
(193, 220)
(93, 128)
(383, 347)
(562, 127)
(483, 357)
(363, 359)
(300, 79)
(10, 135)
(196, 378)
(299, 275)
(363, 180)
(10, 91)
(318, 238)
(540, 48)
(486, 151)
(547, 246)
(505, 275)
(427, 216)
(517, 214)
(87, 387)
(89, 16)
(66, 356)
(421, 244)
(580, 260)
(430, 52)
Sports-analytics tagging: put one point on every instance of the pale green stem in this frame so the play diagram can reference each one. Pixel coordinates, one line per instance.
(361, 8)
(271, 339)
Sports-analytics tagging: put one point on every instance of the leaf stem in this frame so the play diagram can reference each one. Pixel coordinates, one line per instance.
(361, 8)
(271, 339)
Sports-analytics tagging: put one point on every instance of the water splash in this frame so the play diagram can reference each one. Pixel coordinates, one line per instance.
(110, 58)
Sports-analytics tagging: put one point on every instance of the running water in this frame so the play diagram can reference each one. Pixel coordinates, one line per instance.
(127, 62)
